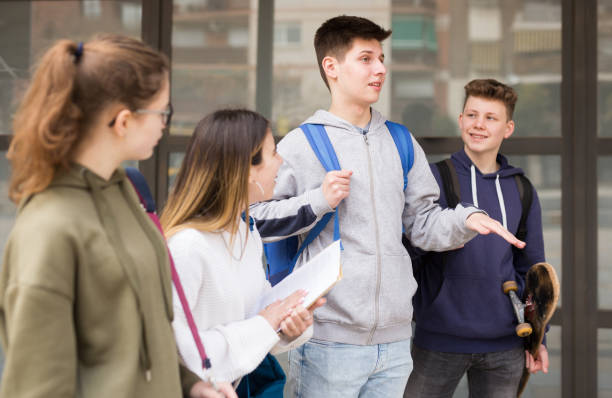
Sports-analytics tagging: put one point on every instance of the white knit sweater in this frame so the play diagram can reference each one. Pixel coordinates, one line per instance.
(222, 290)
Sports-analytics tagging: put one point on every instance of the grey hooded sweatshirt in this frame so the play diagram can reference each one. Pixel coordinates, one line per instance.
(372, 304)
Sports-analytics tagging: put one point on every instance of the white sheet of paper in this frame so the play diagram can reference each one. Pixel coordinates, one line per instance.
(317, 276)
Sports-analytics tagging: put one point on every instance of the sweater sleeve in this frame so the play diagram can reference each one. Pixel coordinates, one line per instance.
(234, 348)
(36, 319)
(427, 225)
(292, 210)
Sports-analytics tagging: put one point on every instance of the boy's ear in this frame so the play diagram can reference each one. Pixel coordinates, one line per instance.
(509, 129)
(330, 66)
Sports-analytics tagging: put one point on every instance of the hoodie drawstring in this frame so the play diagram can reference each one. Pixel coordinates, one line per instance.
(500, 196)
(474, 195)
(502, 205)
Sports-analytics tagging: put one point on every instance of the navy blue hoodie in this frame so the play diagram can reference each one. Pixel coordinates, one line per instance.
(459, 305)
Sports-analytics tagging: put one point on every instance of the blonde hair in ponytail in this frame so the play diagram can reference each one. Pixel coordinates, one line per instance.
(69, 89)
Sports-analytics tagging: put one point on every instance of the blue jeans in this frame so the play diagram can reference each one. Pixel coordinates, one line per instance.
(323, 369)
(491, 374)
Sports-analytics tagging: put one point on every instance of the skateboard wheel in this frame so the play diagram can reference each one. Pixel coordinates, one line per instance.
(523, 329)
(509, 286)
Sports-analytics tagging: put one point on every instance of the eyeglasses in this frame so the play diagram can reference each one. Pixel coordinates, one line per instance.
(166, 115)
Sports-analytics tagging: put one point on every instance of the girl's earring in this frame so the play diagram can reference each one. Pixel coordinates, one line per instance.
(260, 187)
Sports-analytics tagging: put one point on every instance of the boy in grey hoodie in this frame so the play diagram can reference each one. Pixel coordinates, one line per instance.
(361, 343)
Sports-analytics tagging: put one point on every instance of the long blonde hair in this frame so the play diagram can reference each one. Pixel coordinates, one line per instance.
(211, 188)
(72, 84)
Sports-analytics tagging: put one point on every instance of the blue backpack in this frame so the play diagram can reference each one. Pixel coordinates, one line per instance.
(283, 255)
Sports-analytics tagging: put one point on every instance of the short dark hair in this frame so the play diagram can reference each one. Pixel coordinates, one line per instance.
(492, 89)
(335, 37)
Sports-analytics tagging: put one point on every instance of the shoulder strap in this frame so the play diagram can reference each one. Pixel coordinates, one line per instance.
(147, 201)
(324, 150)
(321, 145)
(526, 194)
(142, 188)
(450, 182)
(403, 142)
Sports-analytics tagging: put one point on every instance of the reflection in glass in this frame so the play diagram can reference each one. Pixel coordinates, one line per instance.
(174, 164)
(435, 49)
(28, 28)
(213, 58)
(7, 208)
(604, 65)
(604, 363)
(604, 231)
(7, 216)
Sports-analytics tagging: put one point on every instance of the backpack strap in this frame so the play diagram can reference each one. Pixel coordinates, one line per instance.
(324, 150)
(146, 199)
(526, 194)
(403, 142)
(450, 182)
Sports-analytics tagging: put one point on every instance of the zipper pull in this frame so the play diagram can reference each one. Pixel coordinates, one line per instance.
(365, 138)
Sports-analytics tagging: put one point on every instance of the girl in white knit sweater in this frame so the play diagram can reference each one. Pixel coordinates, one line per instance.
(230, 162)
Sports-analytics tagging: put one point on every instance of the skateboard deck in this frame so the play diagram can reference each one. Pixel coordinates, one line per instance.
(541, 297)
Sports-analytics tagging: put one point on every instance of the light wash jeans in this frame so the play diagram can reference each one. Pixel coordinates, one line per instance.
(322, 369)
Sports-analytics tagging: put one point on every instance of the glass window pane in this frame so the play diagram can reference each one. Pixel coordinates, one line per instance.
(7, 216)
(604, 231)
(174, 164)
(604, 363)
(213, 58)
(435, 49)
(604, 64)
(28, 28)
(7, 208)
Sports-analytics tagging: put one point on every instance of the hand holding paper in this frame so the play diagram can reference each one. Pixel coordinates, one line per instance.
(300, 319)
(278, 310)
(317, 277)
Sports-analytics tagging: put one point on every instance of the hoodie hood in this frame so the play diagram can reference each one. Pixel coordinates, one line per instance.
(464, 164)
(505, 171)
(376, 126)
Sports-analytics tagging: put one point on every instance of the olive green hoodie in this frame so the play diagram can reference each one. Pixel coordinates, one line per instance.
(86, 297)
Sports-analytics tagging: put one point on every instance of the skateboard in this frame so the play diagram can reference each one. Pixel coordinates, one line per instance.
(541, 297)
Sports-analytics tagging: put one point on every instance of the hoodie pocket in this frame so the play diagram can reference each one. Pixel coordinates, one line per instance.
(397, 287)
(351, 300)
(470, 307)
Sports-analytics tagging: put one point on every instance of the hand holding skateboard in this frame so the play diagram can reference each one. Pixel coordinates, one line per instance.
(542, 294)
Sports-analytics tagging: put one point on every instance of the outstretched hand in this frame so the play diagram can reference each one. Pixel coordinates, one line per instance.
(484, 225)
(336, 186)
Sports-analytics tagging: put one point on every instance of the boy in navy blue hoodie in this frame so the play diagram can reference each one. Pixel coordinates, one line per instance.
(464, 322)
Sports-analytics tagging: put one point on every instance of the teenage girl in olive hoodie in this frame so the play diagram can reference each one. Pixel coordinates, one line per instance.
(85, 293)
